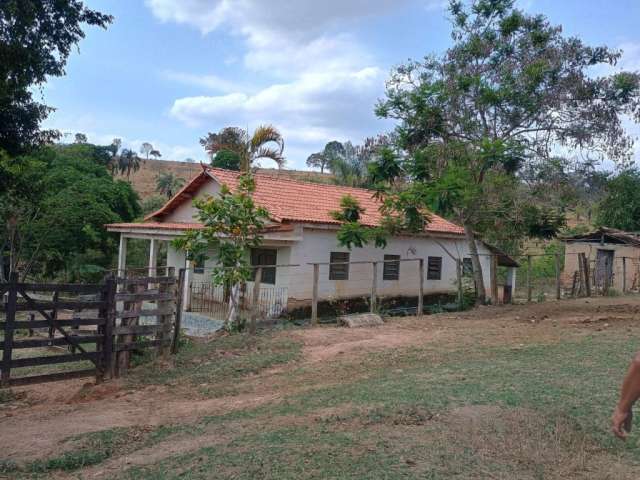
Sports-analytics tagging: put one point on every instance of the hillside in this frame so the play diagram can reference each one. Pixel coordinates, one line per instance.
(144, 180)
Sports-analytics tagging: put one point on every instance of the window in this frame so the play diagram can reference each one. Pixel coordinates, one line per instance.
(391, 269)
(265, 256)
(467, 266)
(434, 268)
(341, 271)
(198, 264)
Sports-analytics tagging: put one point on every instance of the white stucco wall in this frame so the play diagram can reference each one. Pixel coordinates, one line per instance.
(317, 245)
(185, 212)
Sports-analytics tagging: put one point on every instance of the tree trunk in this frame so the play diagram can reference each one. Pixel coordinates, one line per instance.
(477, 266)
(232, 315)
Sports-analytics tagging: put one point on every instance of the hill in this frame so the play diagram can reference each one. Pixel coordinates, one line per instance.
(144, 180)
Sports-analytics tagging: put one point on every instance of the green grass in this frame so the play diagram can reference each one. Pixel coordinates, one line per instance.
(398, 421)
(443, 410)
(213, 367)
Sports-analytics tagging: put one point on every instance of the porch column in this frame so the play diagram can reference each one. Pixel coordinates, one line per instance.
(153, 257)
(187, 286)
(122, 255)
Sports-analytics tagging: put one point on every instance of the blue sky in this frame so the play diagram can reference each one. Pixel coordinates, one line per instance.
(169, 71)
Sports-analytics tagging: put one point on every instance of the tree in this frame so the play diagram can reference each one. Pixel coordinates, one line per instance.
(512, 89)
(266, 142)
(59, 231)
(232, 226)
(332, 152)
(153, 203)
(80, 138)
(168, 184)
(620, 207)
(155, 154)
(36, 38)
(226, 159)
(127, 162)
(351, 167)
(146, 148)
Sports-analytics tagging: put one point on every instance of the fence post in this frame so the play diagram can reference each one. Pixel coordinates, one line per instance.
(558, 268)
(10, 319)
(587, 274)
(494, 279)
(165, 320)
(459, 283)
(255, 301)
(178, 324)
(314, 298)
(624, 274)
(420, 308)
(529, 288)
(110, 319)
(374, 284)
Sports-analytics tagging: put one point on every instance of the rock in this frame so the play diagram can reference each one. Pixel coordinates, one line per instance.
(360, 320)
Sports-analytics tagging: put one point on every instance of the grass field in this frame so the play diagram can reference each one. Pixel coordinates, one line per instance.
(496, 393)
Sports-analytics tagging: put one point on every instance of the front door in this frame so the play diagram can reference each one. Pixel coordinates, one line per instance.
(604, 269)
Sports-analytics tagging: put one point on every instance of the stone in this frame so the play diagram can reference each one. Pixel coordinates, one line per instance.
(360, 320)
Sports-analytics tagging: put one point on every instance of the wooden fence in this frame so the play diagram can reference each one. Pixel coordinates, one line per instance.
(99, 325)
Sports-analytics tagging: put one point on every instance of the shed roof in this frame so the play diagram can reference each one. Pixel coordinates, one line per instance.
(605, 234)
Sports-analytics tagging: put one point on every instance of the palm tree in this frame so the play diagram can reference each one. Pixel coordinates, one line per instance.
(266, 142)
(128, 161)
(168, 184)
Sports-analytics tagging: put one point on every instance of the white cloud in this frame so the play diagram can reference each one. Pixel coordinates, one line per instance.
(318, 82)
(211, 82)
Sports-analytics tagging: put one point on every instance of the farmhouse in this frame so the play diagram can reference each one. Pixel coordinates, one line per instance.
(302, 232)
(613, 257)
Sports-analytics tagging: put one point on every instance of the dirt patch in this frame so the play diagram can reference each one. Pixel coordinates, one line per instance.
(50, 413)
(328, 343)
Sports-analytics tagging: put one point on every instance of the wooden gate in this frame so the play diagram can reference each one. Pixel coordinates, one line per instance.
(72, 320)
(99, 325)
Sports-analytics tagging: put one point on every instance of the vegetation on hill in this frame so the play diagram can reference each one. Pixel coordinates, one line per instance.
(55, 202)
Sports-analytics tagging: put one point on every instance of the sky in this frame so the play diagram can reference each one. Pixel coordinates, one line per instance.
(169, 71)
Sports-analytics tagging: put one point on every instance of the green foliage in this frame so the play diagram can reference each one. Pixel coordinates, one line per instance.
(265, 142)
(620, 208)
(59, 199)
(333, 152)
(232, 225)
(226, 159)
(168, 184)
(36, 38)
(153, 203)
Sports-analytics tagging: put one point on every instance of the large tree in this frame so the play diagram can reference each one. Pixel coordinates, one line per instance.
(620, 207)
(265, 142)
(55, 202)
(332, 152)
(510, 90)
(168, 184)
(36, 38)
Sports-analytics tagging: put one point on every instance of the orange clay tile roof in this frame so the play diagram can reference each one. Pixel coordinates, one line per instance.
(297, 201)
(279, 227)
(290, 200)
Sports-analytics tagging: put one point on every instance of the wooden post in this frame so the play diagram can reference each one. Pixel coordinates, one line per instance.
(587, 275)
(178, 324)
(108, 297)
(314, 298)
(166, 320)
(459, 283)
(582, 290)
(10, 319)
(255, 301)
(494, 279)
(529, 287)
(122, 256)
(558, 269)
(624, 274)
(420, 308)
(374, 285)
